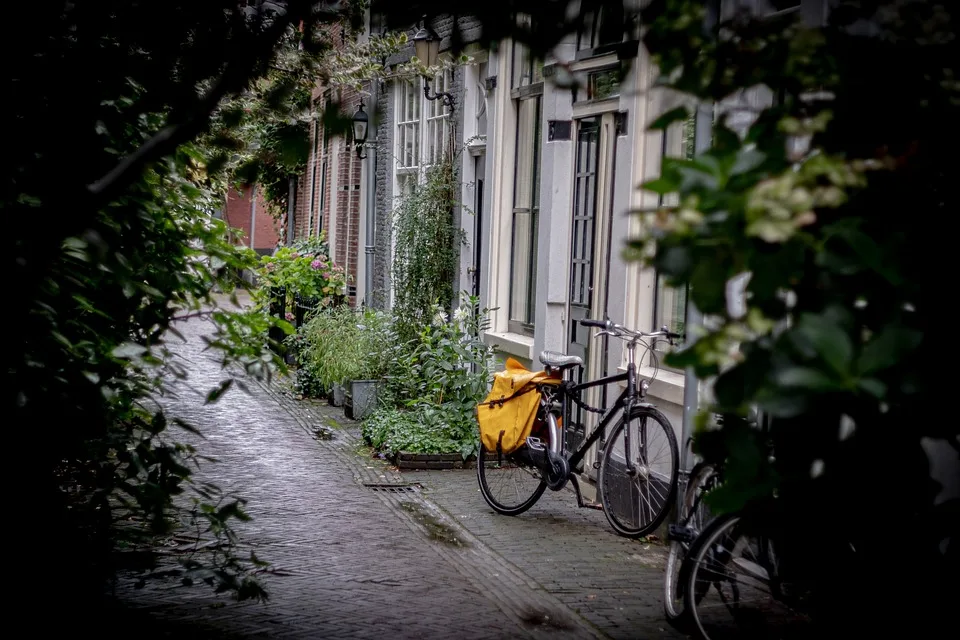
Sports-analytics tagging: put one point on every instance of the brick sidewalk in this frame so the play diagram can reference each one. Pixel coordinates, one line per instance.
(356, 562)
(614, 583)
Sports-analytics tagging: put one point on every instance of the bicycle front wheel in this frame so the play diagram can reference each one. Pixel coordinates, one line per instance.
(693, 516)
(638, 486)
(732, 587)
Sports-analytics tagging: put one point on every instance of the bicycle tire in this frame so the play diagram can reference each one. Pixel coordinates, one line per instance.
(688, 572)
(645, 526)
(673, 603)
(508, 510)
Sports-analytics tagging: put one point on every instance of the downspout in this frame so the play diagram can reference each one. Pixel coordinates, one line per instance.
(253, 214)
(371, 230)
(291, 207)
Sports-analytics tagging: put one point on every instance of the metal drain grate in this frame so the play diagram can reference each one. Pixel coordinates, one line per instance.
(393, 488)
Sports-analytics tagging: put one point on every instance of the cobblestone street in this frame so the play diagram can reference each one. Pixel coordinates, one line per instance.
(421, 558)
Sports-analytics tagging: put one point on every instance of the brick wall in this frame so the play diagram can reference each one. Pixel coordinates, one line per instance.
(237, 215)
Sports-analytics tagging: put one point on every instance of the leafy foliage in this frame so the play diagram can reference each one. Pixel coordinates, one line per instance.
(112, 234)
(307, 272)
(433, 385)
(809, 200)
(427, 248)
(343, 344)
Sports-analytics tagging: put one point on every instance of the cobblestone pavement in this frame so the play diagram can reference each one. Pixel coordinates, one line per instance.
(422, 557)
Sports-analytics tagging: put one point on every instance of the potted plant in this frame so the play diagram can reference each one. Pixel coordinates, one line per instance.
(370, 363)
(329, 349)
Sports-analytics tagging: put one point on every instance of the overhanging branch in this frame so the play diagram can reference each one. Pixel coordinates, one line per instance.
(243, 60)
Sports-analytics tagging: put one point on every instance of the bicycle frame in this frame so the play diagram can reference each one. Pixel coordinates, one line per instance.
(633, 395)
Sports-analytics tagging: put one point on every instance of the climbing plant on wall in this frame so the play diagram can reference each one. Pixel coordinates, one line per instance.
(427, 247)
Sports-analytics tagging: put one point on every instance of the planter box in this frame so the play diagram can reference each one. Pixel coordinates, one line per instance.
(404, 460)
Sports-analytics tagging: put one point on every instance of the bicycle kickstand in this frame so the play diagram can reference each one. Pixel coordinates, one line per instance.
(580, 501)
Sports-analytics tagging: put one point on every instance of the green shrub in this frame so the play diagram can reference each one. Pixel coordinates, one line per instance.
(341, 344)
(433, 385)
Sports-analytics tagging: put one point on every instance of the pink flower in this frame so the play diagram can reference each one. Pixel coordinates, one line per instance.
(315, 265)
(295, 254)
(271, 266)
(326, 274)
(289, 317)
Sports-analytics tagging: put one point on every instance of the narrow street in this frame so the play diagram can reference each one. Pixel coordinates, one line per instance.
(421, 558)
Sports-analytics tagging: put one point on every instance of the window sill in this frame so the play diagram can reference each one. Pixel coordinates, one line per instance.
(514, 344)
(667, 386)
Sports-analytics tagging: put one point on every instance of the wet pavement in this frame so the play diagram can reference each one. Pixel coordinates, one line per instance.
(361, 550)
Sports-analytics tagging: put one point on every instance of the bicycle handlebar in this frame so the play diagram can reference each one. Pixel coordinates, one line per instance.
(622, 332)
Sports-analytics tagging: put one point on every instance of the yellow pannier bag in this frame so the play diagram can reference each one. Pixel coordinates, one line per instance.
(507, 414)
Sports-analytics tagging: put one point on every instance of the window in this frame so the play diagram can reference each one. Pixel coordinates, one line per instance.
(527, 69)
(408, 126)
(423, 129)
(604, 27)
(670, 303)
(438, 121)
(526, 210)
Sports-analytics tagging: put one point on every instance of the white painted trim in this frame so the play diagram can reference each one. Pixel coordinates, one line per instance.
(667, 386)
(513, 344)
(589, 64)
(501, 194)
(596, 108)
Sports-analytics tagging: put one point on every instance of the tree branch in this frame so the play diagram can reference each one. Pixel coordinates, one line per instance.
(241, 67)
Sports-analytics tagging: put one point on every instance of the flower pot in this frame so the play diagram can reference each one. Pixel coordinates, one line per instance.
(363, 395)
(337, 395)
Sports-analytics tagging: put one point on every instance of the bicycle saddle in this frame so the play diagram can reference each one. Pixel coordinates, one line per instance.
(554, 359)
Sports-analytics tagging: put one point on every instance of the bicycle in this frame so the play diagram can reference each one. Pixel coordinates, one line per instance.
(692, 517)
(633, 508)
(737, 558)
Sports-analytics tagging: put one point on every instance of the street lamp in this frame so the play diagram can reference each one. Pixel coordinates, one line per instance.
(360, 124)
(426, 43)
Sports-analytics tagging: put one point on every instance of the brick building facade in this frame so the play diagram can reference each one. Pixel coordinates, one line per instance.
(258, 228)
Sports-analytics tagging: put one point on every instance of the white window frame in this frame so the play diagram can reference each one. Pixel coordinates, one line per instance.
(422, 129)
(526, 201)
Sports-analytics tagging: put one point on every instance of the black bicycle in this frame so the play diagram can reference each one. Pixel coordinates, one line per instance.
(638, 464)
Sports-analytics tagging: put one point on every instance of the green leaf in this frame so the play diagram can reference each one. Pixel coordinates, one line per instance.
(873, 386)
(708, 288)
(806, 378)
(830, 342)
(747, 160)
(661, 185)
(677, 114)
(887, 348)
(217, 392)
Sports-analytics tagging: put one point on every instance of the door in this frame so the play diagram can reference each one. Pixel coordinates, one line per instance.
(583, 232)
(589, 256)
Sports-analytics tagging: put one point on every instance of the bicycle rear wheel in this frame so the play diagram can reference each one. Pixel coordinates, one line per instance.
(636, 501)
(511, 486)
(732, 587)
(692, 517)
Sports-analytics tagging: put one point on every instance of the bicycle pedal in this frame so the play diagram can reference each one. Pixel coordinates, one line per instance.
(535, 443)
(676, 533)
